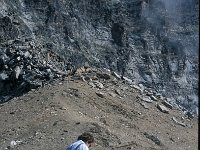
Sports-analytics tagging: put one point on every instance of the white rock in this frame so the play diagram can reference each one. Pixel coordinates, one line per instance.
(128, 80)
(153, 98)
(3, 76)
(141, 86)
(116, 75)
(100, 94)
(17, 72)
(136, 87)
(177, 122)
(12, 144)
(146, 99)
(162, 108)
(98, 84)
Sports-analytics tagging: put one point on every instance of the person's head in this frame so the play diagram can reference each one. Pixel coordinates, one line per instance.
(87, 138)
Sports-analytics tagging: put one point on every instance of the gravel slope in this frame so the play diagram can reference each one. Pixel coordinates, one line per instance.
(53, 116)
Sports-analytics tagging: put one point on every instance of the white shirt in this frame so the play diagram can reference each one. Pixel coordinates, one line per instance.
(80, 144)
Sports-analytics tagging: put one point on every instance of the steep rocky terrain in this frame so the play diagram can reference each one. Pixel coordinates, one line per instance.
(153, 42)
(138, 88)
(120, 115)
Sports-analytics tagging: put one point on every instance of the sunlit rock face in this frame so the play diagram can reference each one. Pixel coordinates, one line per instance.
(154, 42)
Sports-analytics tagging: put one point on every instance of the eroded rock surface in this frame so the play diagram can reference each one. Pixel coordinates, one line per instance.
(152, 42)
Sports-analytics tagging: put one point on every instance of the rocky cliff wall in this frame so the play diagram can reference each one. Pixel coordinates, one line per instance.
(153, 42)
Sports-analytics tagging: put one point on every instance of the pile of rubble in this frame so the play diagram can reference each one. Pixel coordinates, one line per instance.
(102, 78)
(25, 65)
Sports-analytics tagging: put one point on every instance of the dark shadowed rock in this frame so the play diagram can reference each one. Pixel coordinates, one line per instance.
(153, 138)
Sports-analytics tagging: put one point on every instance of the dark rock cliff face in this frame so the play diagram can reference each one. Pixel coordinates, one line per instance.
(154, 42)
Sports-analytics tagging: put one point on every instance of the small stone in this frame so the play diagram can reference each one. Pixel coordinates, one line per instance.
(12, 144)
(91, 84)
(15, 22)
(17, 71)
(129, 81)
(153, 138)
(3, 76)
(77, 123)
(63, 108)
(177, 122)
(117, 91)
(3, 59)
(100, 94)
(162, 108)
(136, 87)
(146, 99)
(112, 94)
(144, 105)
(167, 104)
(18, 58)
(27, 54)
(98, 84)
(141, 87)
(153, 98)
(116, 75)
(28, 67)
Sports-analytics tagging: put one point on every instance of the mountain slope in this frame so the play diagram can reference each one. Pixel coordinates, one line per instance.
(153, 42)
(116, 113)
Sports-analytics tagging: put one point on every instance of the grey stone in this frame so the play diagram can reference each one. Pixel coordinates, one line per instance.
(144, 105)
(153, 138)
(177, 122)
(91, 84)
(153, 98)
(136, 87)
(162, 108)
(129, 81)
(28, 67)
(16, 72)
(116, 75)
(100, 94)
(141, 87)
(27, 54)
(16, 22)
(98, 84)
(112, 94)
(167, 104)
(48, 70)
(3, 76)
(18, 58)
(146, 99)
(4, 59)
(117, 91)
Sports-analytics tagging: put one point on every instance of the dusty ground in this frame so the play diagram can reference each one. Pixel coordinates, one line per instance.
(53, 116)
